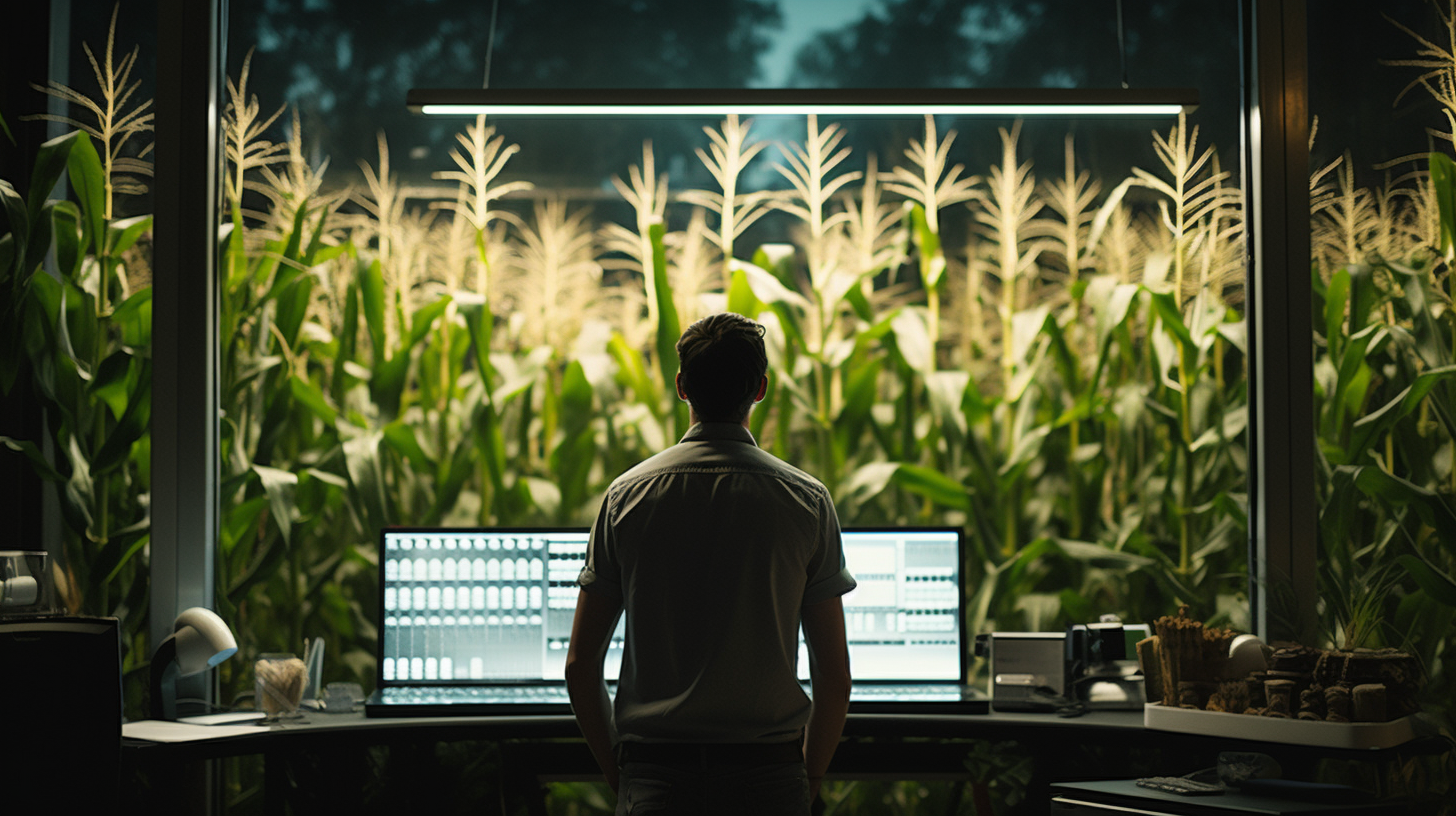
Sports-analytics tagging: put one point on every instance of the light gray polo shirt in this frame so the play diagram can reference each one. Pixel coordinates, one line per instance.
(713, 546)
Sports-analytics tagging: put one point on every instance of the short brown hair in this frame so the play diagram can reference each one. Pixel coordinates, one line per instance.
(722, 361)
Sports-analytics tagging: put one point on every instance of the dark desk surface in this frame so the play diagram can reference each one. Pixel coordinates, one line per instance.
(1124, 796)
(356, 727)
(1106, 744)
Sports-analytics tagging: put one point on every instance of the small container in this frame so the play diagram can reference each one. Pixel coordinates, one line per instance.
(25, 588)
(278, 681)
(341, 698)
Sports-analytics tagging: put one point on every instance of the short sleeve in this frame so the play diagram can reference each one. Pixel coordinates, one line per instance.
(602, 573)
(828, 575)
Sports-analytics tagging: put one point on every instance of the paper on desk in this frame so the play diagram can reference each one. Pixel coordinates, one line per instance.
(163, 731)
(224, 718)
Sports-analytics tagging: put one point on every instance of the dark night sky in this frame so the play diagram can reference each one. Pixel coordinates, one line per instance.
(346, 66)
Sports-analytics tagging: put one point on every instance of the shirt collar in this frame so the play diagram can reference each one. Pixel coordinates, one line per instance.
(712, 431)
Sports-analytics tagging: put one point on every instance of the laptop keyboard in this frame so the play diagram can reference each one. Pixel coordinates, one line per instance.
(467, 695)
(909, 692)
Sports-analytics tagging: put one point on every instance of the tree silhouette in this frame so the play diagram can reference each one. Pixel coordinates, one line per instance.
(348, 66)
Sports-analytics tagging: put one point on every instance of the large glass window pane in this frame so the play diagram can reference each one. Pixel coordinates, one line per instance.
(456, 321)
(1380, 228)
(75, 316)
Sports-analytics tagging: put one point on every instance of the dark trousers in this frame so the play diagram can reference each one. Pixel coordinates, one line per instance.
(712, 780)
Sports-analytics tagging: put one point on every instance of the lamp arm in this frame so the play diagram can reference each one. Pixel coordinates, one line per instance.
(164, 680)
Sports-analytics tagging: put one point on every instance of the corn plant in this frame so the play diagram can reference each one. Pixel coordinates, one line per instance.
(77, 332)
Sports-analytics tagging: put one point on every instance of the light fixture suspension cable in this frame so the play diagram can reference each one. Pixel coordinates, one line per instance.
(490, 44)
(1121, 45)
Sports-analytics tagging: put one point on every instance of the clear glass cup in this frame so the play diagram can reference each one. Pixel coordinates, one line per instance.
(278, 681)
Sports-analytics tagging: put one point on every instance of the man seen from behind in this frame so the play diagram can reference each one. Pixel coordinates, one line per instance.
(716, 551)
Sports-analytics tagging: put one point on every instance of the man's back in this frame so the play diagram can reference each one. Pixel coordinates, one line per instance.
(717, 546)
(716, 551)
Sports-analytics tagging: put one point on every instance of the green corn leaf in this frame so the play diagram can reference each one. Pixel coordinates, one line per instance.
(479, 321)
(1443, 182)
(1372, 426)
(309, 395)
(77, 501)
(1431, 507)
(134, 318)
(1433, 581)
(1030, 339)
(424, 318)
(261, 569)
(348, 339)
(123, 234)
(575, 399)
(859, 398)
(366, 480)
(400, 436)
(866, 482)
(134, 424)
(947, 391)
(450, 482)
(1337, 297)
(387, 385)
(117, 553)
(668, 327)
(1102, 557)
(1111, 312)
(110, 385)
(572, 458)
(292, 253)
(788, 305)
(933, 485)
(292, 305)
(371, 296)
(767, 288)
(633, 374)
(912, 339)
(51, 160)
(1166, 307)
(741, 299)
(238, 521)
(860, 304)
(1018, 574)
(1429, 328)
(234, 253)
(490, 443)
(1026, 448)
(88, 182)
(927, 242)
(64, 218)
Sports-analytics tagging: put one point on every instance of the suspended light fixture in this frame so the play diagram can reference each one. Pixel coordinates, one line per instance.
(846, 102)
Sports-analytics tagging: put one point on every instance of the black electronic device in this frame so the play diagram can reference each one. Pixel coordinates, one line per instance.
(1101, 664)
(60, 730)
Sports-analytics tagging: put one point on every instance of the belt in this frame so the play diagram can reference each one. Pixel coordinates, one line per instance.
(705, 754)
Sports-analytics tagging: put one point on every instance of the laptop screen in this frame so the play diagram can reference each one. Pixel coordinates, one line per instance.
(466, 606)
(904, 621)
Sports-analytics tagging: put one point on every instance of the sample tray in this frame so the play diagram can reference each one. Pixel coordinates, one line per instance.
(1272, 729)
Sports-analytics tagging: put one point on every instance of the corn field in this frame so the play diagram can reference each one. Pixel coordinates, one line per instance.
(1067, 380)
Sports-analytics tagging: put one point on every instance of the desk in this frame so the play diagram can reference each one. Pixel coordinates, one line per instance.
(325, 759)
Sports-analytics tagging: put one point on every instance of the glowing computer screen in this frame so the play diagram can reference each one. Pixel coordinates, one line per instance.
(496, 605)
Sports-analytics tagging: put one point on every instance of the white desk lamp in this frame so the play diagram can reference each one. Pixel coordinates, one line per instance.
(199, 641)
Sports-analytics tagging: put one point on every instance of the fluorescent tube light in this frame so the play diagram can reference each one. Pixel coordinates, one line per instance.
(615, 102)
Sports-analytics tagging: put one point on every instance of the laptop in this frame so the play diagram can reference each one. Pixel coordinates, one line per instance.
(905, 623)
(477, 621)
